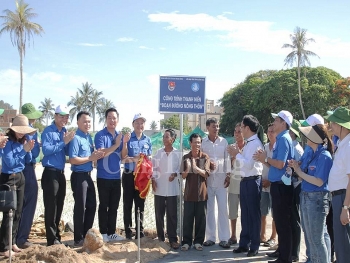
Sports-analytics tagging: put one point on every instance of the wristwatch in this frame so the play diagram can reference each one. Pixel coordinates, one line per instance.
(346, 207)
(266, 159)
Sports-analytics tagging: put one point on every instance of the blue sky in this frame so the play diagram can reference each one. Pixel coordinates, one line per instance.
(122, 47)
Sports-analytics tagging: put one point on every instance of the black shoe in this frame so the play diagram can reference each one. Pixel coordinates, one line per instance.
(273, 254)
(252, 253)
(240, 250)
(25, 245)
(141, 235)
(295, 259)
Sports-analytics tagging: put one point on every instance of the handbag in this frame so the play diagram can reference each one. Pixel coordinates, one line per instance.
(8, 198)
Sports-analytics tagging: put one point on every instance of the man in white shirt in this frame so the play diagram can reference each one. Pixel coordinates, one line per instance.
(219, 179)
(250, 187)
(339, 184)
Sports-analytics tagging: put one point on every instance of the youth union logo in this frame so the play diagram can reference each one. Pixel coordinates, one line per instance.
(171, 85)
(195, 86)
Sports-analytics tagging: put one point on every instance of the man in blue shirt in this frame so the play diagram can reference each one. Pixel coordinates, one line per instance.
(81, 156)
(137, 144)
(55, 141)
(281, 193)
(109, 141)
(31, 184)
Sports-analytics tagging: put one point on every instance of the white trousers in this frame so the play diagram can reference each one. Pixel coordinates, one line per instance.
(223, 223)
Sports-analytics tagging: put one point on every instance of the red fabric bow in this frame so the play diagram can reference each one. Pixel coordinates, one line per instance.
(142, 175)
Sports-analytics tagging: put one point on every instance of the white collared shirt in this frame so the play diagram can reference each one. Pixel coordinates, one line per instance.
(338, 176)
(245, 165)
(266, 168)
(217, 152)
(163, 166)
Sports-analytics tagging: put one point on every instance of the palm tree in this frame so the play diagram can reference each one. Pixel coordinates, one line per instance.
(85, 93)
(94, 102)
(299, 54)
(21, 29)
(153, 126)
(47, 108)
(102, 108)
(77, 103)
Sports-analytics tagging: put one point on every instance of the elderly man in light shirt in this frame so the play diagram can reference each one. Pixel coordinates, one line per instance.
(219, 179)
(250, 188)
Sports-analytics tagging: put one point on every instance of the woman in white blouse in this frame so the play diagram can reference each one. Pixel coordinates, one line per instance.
(165, 185)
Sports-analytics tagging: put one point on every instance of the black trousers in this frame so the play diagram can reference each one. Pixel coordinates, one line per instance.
(109, 191)
(282, 200)
(53, 184)
(329, 223)
(84, 203)
(296, 227)
(168, 205)
(194, 212)
(130, 196)
(17, 180)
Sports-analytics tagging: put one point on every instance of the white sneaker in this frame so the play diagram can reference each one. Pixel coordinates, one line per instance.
(105, 238)
(115, 237)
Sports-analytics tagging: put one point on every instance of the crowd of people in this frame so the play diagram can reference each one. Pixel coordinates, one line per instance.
(306, 190)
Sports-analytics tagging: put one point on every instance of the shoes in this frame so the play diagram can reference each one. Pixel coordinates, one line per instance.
(115, 237)
(141, 235)
(273, 254)
(252, 253)
(198, 247)
(174, 245)
(295, 259)
(57, 242)
(25, 245)
(185, 247)
(208, 243)
(232, 241)
(269, 243)
(240, 250)
(275, 247)
(79, 243)
(128, 236)
(224, 244)
(105, 238)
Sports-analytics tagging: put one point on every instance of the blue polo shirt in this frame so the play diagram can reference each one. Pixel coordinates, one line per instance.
(81, 146)
(35, 151)
(320, 166)
(307, 155)
(108, 167)
(13, 157)
(53, 147)
(135, 147)
(283, 151)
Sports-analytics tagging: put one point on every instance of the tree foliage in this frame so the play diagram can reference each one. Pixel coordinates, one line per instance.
(261, 94)
(299, 55)
(174, 123)
(153, 126)
(126, 130)
(21, 29)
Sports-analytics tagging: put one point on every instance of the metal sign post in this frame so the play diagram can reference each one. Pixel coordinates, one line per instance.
(179, 95)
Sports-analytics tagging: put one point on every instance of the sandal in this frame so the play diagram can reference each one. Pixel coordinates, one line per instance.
(208, 243)
(6, 254)
(232, 241)
(174, 245)
(198, 247)
(270, 243)
(224, 244)
(185, 247)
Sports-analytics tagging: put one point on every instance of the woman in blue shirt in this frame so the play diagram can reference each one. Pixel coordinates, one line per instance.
(314, 196)
(13, 162)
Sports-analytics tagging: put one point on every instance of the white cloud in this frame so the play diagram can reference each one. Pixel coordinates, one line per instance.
(126, 39)
(256, 36)
(144, 47)
(48, 76)
(91, 45)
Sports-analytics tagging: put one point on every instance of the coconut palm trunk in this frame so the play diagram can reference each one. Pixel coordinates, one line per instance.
(21, 81)
(299, 89)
